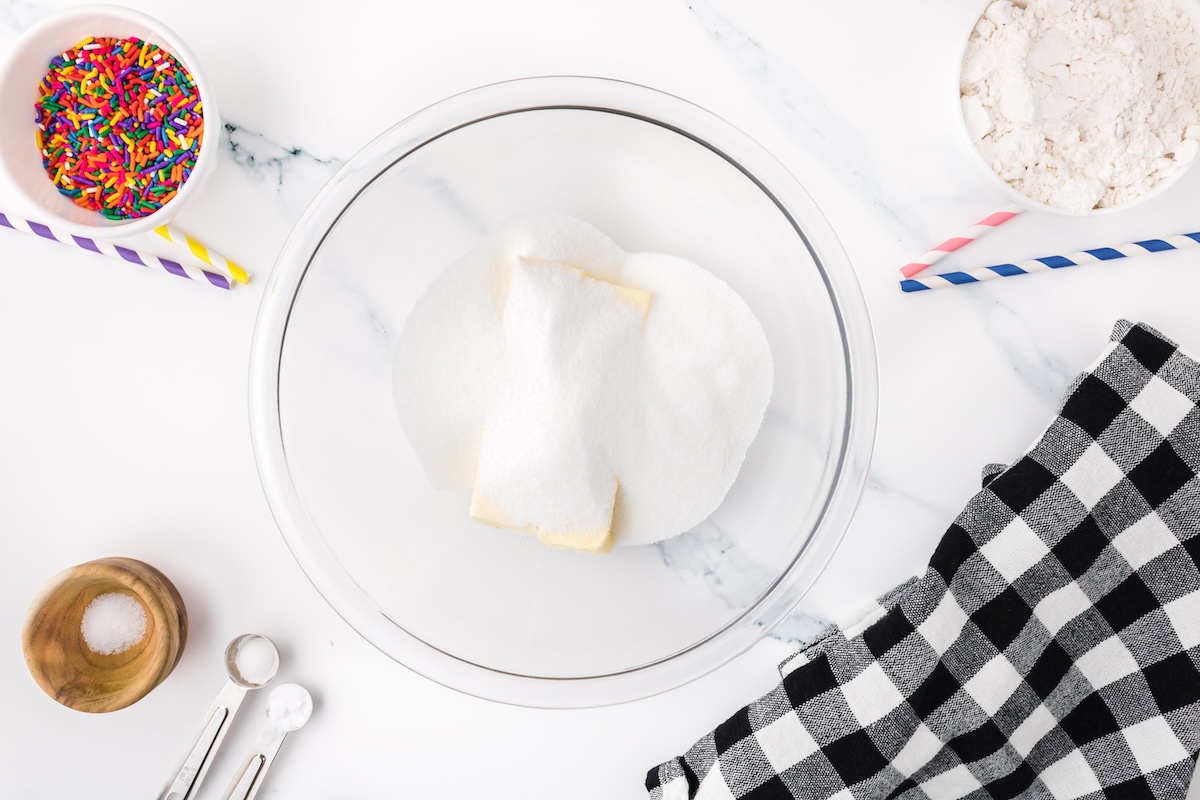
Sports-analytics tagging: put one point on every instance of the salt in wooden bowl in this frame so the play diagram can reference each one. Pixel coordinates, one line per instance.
(68, 670)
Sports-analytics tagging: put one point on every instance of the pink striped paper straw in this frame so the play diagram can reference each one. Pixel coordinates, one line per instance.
(116, 251)
(981, 228)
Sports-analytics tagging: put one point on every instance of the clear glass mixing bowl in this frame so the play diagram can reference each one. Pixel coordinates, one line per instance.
(494, 613)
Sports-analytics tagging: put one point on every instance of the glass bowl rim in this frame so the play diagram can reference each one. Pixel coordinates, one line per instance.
(306, 542)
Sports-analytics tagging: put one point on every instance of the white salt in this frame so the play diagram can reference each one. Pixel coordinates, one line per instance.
(288, 708)
(112, 623)
(665, 407)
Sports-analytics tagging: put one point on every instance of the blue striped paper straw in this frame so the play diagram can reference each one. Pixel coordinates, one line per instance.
(1048, 263)
(116, 251)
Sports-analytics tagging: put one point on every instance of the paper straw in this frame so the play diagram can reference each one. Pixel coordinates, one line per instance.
(215, 260)
(116, 251)
(1179, 242)
(981, 228)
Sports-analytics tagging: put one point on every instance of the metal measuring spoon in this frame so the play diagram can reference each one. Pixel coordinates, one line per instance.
(255, 668)
(288, 707)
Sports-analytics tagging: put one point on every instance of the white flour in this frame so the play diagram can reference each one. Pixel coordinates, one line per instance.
(1084, 104)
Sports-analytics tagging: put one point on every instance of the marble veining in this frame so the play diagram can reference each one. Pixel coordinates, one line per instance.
(441, 190)
(268, 161)
(878, 482)
(16, 16)
(708, 553)
(1044, 374)
(799, 109)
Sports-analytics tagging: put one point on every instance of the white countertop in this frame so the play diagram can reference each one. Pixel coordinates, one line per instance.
(123, 414)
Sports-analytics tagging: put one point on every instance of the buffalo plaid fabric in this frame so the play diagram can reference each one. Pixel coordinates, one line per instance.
(1050, 650)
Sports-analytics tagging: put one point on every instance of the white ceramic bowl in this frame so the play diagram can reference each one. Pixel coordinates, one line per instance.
(492, 612)
(20, 161)
(1004, 186)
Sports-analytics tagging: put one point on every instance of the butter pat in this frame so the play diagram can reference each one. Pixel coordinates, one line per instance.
(543, 465)
(599, 540)
(636, 297)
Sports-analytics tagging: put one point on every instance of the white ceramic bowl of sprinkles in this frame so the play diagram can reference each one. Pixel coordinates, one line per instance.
(20, 161)
(1081, 107)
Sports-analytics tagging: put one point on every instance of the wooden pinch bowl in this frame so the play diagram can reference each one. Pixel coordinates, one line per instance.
(68, 670)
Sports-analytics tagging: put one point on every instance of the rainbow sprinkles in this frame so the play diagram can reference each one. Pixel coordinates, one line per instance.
(119, 124)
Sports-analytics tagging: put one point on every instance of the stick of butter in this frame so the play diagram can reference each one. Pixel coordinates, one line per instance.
(541, 461)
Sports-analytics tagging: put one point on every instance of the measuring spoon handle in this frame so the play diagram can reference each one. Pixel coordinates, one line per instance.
(190, 775)
(249, 778)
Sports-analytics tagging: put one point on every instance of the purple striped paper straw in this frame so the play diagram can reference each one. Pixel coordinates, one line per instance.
(116, 251)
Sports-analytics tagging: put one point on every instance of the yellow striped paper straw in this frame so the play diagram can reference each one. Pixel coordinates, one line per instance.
(215, 260)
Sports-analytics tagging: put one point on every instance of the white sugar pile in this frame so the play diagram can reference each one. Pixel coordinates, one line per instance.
(563, 334)
(563, 402)
(112, 623)
(1084, 104)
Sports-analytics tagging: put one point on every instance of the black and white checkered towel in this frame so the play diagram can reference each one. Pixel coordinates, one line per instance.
(1050, 650)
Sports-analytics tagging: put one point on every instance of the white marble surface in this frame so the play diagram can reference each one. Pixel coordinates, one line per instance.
(124, 423)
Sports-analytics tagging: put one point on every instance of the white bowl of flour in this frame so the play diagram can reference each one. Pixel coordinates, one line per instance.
(1083, 106)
